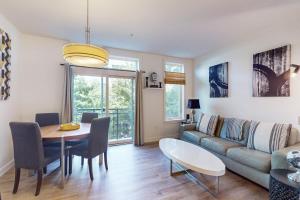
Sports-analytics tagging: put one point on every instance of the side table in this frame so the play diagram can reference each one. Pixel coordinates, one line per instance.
(281, 188)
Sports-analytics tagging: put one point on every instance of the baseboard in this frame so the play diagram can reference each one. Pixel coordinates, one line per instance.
(6, 167)
(156, 139)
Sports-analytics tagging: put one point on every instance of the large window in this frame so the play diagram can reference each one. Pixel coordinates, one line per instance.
(174, 95)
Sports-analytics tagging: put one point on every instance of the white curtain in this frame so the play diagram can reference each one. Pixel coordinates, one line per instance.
(67, 95)
(139, 132)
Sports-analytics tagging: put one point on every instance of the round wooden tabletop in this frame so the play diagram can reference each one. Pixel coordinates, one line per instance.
(53, 133)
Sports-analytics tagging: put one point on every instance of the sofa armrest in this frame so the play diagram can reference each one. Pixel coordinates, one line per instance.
(278, 160)
(186, 127)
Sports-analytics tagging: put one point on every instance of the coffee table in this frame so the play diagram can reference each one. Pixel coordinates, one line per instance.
(189, 157)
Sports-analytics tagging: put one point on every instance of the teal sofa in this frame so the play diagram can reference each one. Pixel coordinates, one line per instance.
(252, 164)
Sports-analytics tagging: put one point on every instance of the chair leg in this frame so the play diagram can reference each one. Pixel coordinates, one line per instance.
(39, 182)
(105, 160)
(82, 160)
(17, 180)
(70, 163)
(66, 163)
(45, 170)
(91, 168)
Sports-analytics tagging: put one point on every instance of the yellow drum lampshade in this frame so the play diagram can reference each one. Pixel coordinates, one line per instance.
(85, 55)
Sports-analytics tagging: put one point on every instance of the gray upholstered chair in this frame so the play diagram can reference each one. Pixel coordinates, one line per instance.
(47, 119)
(29, 152)
(87, 117)
(95, 145)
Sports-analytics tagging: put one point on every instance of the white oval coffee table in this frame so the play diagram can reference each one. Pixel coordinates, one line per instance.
(191, 157)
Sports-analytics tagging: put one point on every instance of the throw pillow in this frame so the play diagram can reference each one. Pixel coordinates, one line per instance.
(244, 131)
(207, 124)
(235, 129)
(268, 137)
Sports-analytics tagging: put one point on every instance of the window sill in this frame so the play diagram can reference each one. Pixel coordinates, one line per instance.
(173, 121)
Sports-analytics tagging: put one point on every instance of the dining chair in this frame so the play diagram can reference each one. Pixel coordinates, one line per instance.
(87, 117)
(29, 152)
(47, 119)
(95, 144)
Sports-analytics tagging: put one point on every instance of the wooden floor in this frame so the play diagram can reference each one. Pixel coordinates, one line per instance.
(134, 173)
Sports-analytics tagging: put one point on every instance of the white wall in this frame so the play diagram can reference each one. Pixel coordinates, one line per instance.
(240, 102)
(42, 76)
(42, 83)
(9, 109)
(155, 126)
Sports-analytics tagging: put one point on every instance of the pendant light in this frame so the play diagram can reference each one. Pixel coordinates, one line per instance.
(85, 54)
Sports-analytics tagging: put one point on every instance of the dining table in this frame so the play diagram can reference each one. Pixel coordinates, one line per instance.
(53, 133)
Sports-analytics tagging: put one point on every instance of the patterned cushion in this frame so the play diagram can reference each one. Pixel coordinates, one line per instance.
(235, 129)
(243, 137)
(268, 137)
(207, 124)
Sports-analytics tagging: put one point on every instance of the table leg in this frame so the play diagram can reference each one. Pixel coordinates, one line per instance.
(101, 159)
(218, 184)
(181, 170)
(62, 155)
(171, 167)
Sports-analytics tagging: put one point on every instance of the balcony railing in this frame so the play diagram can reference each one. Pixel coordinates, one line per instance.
(121, 121)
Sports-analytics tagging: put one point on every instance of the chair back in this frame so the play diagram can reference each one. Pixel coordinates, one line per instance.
(47, 119)
(28, 146)
(87, 117)
(98, 138)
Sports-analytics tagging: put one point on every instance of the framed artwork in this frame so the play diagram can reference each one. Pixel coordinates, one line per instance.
(271, 72)
(218, 80)
(5, 47)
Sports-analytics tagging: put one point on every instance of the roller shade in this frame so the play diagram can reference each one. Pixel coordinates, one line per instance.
(175, 78)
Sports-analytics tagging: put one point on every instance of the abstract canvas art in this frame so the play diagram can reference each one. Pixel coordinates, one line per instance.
(218, 80)
(5, 47)
(271, 72)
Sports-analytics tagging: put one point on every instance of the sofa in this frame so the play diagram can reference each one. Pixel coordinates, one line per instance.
(252, 164)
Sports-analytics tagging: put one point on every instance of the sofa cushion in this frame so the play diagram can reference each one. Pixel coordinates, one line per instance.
(207, 124)
(235, 129)
(252, 158)
(219, 126)
(244, 130)
(217, 145)
(193, 136)
(268, 137)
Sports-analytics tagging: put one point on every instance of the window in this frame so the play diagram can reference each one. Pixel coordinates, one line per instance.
(123, 63)
(174, 93)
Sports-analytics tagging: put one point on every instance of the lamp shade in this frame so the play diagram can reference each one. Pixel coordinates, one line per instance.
(193, 104)
(85, 55)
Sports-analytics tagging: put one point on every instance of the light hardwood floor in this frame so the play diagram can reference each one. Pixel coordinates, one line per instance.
(134, 173)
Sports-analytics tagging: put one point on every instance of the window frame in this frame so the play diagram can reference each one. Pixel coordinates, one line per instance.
(123, 58)
(177, 119)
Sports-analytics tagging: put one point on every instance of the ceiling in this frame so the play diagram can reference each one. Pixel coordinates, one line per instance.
(182, 28)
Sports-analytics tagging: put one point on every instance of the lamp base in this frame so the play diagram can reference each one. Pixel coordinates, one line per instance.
(193, 115)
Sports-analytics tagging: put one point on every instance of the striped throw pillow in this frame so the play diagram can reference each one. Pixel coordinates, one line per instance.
(207, 123)
(235, 129)
(268, 137)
